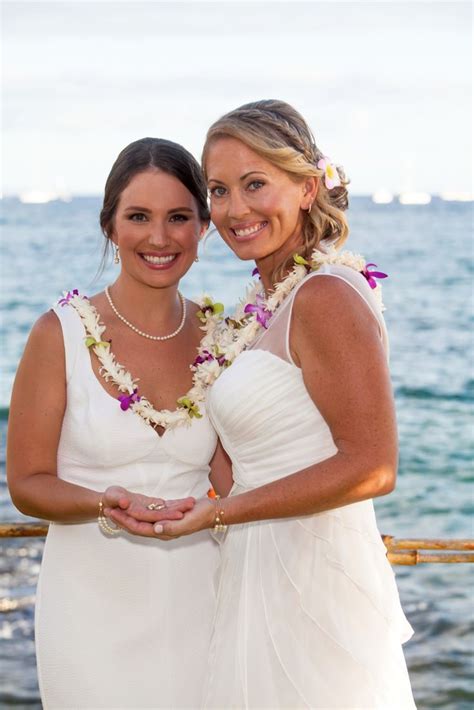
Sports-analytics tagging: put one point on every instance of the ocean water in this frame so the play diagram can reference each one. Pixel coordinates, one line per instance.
(427, 252)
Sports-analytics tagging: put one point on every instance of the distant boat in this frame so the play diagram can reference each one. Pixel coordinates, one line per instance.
(457, 196)
(41, 197)
(382, 197)
(414, 198)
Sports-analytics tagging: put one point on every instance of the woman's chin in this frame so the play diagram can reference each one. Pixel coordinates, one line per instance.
(249, 251)
(157, 276)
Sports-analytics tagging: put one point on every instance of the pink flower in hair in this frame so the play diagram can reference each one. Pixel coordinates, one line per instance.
(331, 176)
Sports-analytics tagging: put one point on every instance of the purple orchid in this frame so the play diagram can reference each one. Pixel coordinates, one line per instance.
(372, 275)
(70, 294)
(208, 357)
(126, 400)
(205, 357)
(263, 315)
(256, 272)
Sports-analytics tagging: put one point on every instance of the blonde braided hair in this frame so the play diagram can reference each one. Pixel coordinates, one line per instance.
(278, 133)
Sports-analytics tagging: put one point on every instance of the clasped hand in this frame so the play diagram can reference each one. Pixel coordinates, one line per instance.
(178, 517)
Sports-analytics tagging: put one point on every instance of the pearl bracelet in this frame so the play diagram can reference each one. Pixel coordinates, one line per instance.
(219, 524)
(104, 524)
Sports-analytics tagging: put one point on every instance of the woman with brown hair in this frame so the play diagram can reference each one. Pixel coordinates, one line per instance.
(116, 625)
(308, 613)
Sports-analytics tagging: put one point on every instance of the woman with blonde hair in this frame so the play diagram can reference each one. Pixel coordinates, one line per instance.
(308, 614)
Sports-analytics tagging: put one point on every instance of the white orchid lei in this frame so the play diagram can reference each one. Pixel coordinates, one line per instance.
(223, 341)
(188, 405)
(252, 314)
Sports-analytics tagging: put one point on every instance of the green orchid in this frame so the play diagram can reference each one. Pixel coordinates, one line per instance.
(209, 307)
(92, 342)
(300, 260)
(188, 404)
(218, 308)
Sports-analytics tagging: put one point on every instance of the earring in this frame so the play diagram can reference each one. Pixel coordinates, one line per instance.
(116, 256)
(310, 207)
(196, 259)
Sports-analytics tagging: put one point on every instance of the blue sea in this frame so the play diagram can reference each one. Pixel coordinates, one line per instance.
(427, 252)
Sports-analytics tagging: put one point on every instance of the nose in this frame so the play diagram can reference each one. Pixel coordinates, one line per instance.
(158, 236)
(238, 207)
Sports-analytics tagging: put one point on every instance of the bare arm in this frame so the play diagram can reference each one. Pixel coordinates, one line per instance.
(34, 428)
(335, 339)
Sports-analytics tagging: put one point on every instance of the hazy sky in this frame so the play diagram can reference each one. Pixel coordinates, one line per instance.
(386, 86)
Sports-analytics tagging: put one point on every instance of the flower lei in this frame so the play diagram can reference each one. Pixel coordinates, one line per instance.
(254, 311)
(210, 315)
(223, 341)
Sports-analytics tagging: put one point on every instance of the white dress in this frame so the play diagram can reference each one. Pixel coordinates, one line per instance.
(125, 621)
(308, 613)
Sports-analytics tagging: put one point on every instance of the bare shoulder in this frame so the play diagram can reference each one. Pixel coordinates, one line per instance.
(326, 301)
(47, 325)
(330, 317)
(44, 350)
(46, 332)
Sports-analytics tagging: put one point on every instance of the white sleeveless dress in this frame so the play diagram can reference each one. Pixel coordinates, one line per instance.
(308, 613)
(124, 621)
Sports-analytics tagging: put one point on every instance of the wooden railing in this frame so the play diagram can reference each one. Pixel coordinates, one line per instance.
(23, 529)
(399, 551)
(412, 552)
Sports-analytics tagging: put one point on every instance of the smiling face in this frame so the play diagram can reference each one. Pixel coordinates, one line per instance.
(157, 228)
(256, 207)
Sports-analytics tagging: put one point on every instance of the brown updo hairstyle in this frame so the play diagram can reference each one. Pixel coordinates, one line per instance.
(278, 133)
(148, 154)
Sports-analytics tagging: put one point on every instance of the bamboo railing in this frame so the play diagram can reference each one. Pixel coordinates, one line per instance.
(412, 552)
(399, 551)
(23, 529)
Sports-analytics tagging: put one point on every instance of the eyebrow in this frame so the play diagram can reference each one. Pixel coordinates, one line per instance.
(137, 208)
(181, 209)
(252, 172)
(243, 177)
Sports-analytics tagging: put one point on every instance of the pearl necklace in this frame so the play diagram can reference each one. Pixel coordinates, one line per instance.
(147, 335)
(210, 316)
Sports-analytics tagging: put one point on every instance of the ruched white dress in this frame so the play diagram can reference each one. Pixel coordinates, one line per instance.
(308, 613)
(125, 621)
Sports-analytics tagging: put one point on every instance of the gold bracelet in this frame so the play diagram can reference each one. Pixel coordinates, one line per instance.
(219, 524)
(104, 524)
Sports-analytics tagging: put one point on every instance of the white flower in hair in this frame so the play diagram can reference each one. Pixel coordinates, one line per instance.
(331, 176)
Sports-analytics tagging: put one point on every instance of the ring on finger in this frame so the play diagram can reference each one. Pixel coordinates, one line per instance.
(156, 506)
